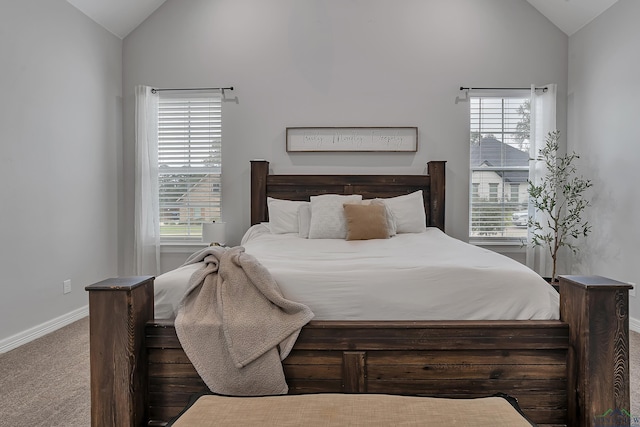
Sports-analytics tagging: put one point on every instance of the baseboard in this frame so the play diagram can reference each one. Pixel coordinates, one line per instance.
(634, 324)
(43, 329)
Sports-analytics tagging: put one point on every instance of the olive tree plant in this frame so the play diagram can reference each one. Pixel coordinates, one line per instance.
(560, 197)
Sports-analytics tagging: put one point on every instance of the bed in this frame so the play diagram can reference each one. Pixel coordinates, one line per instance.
(567, 371)
(398, 278)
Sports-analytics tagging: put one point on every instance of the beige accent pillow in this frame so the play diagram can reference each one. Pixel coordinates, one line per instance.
(391, 222)
(365, 222)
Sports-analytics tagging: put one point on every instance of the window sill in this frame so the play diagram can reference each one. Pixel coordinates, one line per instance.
(505, 248)
(513, 243)
(181, 247)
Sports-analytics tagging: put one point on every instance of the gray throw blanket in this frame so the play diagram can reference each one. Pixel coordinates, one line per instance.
(234, 324)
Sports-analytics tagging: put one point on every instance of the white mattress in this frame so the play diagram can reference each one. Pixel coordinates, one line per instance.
(414, 276)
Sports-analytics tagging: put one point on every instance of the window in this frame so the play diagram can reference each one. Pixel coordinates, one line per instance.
(499, 153)
(475, 190)
(189, 163)
(515, 193)
(493, 192)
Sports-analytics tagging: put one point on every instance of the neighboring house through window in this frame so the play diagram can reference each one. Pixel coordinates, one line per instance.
(499, 162)
(189, 162)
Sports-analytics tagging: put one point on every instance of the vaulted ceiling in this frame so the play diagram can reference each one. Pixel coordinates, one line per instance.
(121, 17)
(571, 15)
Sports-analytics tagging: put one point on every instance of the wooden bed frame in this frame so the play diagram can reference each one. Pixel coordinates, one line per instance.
(563, 372)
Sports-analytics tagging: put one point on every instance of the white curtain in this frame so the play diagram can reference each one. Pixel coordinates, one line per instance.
(147, 225)
(543, 121)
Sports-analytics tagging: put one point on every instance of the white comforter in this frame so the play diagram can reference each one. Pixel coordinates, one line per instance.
(416, 276)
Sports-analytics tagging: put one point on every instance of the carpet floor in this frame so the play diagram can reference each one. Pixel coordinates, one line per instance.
(45, 383)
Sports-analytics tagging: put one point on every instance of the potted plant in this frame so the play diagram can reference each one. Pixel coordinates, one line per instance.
(560, 197)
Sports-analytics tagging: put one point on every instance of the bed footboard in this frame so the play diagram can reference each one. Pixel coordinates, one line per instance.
(596, 309)
(138, 367)
(119, 309)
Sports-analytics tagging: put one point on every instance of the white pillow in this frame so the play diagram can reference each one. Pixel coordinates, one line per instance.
(304, 220)
(327, 216)
(408, 212)
(283, 215)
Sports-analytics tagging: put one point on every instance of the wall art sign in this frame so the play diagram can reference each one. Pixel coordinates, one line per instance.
(320, 139)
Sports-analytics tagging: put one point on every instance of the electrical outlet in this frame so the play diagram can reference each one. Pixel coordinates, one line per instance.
(632, 291)
(66, 286)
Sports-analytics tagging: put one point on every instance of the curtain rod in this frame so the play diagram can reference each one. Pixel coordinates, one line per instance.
(502, 88)
(195, 88)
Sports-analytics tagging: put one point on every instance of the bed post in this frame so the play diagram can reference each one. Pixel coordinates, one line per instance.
(436, 171)
(259, 172)
(118, 312)
(596, 310)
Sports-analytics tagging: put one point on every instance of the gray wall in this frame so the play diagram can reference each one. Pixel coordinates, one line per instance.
(60, 133)
(604, 128)
(67, 87)
(338, 63)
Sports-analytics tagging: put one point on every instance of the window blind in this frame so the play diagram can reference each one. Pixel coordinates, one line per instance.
(189, 162)
(499, 162)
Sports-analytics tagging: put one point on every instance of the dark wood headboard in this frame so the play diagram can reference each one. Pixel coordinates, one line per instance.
(302, 187)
